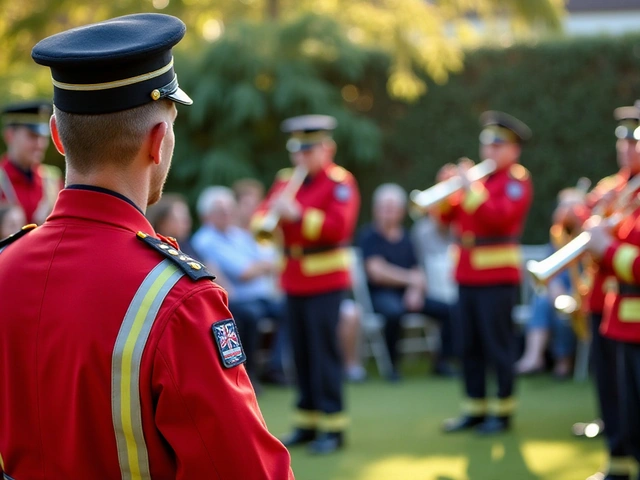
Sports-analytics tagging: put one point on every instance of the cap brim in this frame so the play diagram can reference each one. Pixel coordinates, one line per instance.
(180, 97)
(41, 129)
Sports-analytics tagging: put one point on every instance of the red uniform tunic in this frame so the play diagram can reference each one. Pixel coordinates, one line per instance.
(35, 193)
(66, 288)
(621, 315)
(488, 221)
(316, 260)
(601, 275)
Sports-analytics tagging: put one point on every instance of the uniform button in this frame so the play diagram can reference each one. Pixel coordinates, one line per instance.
(195, 266)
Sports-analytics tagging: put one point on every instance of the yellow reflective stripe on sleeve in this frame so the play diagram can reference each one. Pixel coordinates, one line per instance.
(496, 256)
(333, 422)
(312, 222)
(629, 310)
(1, 463)
(306, 419)
(503, 406)
(474, 407)
(326, 262)
(125, 369)
(623, 262)
(475, 197)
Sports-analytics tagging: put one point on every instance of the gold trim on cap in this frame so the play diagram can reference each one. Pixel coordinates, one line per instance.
(89, 87)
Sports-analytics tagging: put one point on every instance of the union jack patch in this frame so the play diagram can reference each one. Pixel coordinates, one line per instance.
(226, 334)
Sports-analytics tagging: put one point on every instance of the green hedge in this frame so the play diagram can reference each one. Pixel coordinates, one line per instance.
(564, 90)
(257, 75)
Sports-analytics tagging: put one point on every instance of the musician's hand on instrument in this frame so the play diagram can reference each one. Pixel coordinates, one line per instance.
(289, 210)
(601, 237)
(464, 165)
(446, 172)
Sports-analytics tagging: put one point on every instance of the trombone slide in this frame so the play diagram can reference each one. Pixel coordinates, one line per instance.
(546, 269)
(424, 199)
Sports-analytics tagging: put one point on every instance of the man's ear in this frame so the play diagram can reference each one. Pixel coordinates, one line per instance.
(55, 135)
(156, 136)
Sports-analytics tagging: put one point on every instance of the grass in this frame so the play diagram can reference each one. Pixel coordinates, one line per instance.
(394, 433)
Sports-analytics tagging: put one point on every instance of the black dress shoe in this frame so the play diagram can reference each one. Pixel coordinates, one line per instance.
(461, 424)
(493, 425)
(327, 442)
(299, 436)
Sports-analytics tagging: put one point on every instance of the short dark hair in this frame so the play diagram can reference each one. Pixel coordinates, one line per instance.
(93, 140)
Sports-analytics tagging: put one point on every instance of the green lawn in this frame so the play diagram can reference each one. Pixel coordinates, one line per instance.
(394, 433)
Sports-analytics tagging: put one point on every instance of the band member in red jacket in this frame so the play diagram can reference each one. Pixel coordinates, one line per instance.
(488, 217)
(120, 359)
(618, 251)
(317, 207)
(24, 179)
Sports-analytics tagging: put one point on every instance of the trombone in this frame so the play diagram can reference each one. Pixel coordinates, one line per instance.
(544, 270)
(270, 221)
(422, 200)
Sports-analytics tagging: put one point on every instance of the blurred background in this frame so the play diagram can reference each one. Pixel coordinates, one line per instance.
(407, 80)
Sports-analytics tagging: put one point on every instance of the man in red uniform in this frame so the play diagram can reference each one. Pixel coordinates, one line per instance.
(24, 179)
(488, 218)
(618, 251)
(604, 348)
(119, 357)
(317, 222)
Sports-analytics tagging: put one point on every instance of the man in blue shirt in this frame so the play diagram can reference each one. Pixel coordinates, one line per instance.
(396, 282)
(248, 267)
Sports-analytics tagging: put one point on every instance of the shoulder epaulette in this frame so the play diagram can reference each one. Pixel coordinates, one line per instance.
(337, 173)
(284, 174)
(191, 267)
(15, 236)
(518, 172)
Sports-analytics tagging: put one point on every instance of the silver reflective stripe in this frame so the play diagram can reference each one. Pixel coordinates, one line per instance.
(6, 477)
(125, 369)
(7, 189)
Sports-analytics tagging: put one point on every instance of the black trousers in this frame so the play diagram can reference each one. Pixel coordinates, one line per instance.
(604, 358)
(487, 337)
(313, 322)
(629, 390)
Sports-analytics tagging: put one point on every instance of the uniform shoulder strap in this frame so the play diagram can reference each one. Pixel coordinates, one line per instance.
(15, 236)
(191, 267)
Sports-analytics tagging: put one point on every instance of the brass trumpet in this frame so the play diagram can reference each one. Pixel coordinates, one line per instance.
(270, 221)
(421, 200)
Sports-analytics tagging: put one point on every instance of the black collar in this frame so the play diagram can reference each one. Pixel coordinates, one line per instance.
(94, 188)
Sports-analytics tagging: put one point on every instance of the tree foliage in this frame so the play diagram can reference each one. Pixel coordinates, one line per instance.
(421, 36)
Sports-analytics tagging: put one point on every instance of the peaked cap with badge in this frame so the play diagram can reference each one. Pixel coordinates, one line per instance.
(628, 119)
(307, 131)
(34, 115)
(113, 65)
(500, 127)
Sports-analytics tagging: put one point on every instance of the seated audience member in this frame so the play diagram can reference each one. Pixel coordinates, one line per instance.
(547, 324)
(433, 242)
(171, 217)
(396, 282)
(246, 266)
(12, 219)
